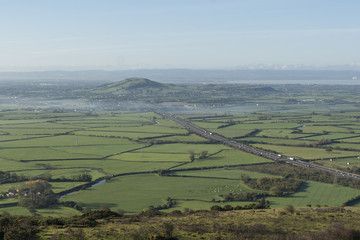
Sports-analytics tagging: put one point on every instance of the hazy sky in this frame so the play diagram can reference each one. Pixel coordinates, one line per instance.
(123, 34)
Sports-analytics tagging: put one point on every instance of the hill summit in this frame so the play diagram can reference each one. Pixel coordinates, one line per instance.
(132, 84)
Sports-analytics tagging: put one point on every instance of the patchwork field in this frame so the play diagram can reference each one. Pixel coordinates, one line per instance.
(148, 160)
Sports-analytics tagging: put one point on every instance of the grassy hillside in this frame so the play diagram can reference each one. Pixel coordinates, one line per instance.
(142, 89)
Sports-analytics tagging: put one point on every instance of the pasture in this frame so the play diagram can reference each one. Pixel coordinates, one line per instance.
(136, 193)
(315, 193)
(147, 158)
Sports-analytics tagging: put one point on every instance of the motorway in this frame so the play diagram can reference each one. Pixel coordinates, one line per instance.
(231, 143)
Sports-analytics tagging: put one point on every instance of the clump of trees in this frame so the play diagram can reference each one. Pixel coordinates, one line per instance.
(201, 155)
(249, 197)
(277, 186)
(262, 204)
(6, 177)
(192, 155)
(37, 194)
(84, 177)
(169, 203)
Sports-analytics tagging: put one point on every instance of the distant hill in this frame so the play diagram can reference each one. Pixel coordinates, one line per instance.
(131, 84)
(138, 89)
(145, 90)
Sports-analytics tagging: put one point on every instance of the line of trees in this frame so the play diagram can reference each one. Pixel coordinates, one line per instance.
(6, 177)
(262, 204)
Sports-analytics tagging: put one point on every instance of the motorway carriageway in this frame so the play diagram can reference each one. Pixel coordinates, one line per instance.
(231, 143)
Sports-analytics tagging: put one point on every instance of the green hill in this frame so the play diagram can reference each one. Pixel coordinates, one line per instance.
(142, 89)
(138, 89)
(130, 85)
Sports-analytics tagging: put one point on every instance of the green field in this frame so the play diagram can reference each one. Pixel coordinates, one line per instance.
(136, 193)
(307, 153)
(315, 193)
(15, 211)
(225, 158)
(139, 150)
(344, 164)
(231, 173)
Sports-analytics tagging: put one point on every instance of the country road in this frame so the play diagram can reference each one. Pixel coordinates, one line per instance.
(232, 143)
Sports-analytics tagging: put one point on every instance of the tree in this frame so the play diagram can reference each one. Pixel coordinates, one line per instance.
(84, 177)
(203, 154)
(328, 149)
(192, 155)
(290, 209)
(37, 194)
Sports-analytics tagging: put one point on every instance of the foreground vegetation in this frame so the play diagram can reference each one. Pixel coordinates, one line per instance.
(283, 223)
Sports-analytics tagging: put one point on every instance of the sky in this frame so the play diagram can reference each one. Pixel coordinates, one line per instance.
(196, 34)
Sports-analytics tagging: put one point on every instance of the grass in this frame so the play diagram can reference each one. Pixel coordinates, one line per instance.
(12, 165)
(341, 163)
(182, 148)
(208, 125)
(275, 141)
(117, 143)
(226, 158)
(43, 153)
(110, 134)
(352, 140)
(324, 128)
(15, 211)
(100, 151)
(180, 138)
(58, 173)
(333, 136)
(153, 128)
(136, 193)
(62, 186)
(231, 133)
(233, 173)
(347, 146)
(113, 166)
(6, 186)
(316, 193)
(307, 153)
(9, 200)
(282, 133)
(57, 211)
(152, 157)
(64, 140)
